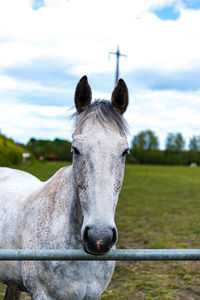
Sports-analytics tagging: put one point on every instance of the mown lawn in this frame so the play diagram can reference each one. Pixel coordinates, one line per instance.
(159, 207)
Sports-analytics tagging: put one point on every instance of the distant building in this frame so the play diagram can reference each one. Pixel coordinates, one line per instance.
(53, 157)
(193, 165)
(25, 157)
(41, 158)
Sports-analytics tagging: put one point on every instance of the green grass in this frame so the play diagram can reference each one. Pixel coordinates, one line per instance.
(159, 207)
(42, 170)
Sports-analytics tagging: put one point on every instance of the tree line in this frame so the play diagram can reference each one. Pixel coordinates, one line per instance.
(145, 149)
(50, 150)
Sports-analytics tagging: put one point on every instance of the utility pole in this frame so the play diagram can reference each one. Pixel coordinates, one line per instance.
(118, 54)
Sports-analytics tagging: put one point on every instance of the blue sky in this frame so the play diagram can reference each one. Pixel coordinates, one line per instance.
(47, 45)
(167, 13)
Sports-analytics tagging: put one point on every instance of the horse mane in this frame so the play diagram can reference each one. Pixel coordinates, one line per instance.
(104, 113)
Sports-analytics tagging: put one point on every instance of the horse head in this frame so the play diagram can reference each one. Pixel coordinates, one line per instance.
(99, 147)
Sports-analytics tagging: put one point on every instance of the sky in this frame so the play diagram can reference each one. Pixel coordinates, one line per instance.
(46, 46)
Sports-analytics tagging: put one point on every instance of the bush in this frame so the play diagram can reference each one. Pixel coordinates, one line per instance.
(61, 149)
(166, 157)
(10, 154)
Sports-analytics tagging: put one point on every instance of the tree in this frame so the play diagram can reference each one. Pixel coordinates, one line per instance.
(145, 140)
(10, 153)
(59, 148)
(175, 142)
(179, 142)
(170, 146)
(194, 144)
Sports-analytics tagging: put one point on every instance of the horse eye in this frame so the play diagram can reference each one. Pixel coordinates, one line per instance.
(75, 150)
(125, 152)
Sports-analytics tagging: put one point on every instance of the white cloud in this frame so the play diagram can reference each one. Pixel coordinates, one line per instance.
(7, 83)
(160, 111)
(80, 34)
(85, 31)
(164, 112)
(22, 121)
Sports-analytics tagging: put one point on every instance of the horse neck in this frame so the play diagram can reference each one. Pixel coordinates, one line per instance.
(61, 205)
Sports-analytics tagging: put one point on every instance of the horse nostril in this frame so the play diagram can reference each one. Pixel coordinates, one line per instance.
(99, 240)
(114, 238)
(85, 234)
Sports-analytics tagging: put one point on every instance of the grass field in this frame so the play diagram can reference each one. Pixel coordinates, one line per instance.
(159, 207)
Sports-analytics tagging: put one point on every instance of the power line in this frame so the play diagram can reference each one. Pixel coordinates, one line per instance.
(118, 54)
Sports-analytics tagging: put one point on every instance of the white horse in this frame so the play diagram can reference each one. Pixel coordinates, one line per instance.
(73, 210)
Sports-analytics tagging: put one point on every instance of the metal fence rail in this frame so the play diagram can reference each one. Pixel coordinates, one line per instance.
(119, 254)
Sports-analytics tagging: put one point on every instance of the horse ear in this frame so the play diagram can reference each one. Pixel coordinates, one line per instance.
(119, 96)
(83, 95)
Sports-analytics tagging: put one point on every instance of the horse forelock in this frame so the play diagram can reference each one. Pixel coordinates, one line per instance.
(103, 112)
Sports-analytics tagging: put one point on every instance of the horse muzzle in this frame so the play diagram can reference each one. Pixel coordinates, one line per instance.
(99, 241)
